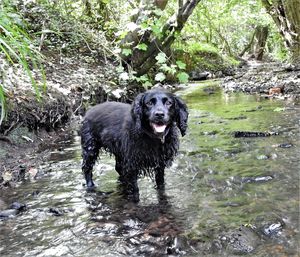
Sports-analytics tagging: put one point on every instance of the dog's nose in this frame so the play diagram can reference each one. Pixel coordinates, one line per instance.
(159, 114)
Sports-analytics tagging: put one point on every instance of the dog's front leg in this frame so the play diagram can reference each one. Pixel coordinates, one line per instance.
(160, 177)
(131, 185)
(89, 157)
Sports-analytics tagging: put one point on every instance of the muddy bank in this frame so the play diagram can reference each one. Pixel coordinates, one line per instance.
(268, 79)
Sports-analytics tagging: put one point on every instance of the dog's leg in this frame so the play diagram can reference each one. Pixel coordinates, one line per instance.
(129, 181)
(160, 177)
(89, 159)
(119, 169)
(90, 152)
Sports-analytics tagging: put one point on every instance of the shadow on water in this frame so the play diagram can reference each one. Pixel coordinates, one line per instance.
(225, 196)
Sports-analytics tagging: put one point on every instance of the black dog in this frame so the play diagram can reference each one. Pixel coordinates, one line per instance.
(143, 136)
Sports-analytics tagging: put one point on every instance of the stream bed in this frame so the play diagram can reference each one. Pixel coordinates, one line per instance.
(225, 195)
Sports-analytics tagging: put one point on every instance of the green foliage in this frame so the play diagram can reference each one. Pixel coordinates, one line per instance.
(142, 47)
(228, 27)
(2, 104)
(202, 56)
(17, 47)
(126, 51)
(160, 77)
(161, 58)
(183, 77)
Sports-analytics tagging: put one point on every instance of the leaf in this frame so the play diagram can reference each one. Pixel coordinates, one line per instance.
(132, 26)
(168, 69)
(147, 84)
(126, 51)
(157, 29)
(142, 47)
(120, 69)
(181, 65)
(143, 78)
(124, 76)
(161, 58)
(183, 77)
(160, 77)
(118, 93)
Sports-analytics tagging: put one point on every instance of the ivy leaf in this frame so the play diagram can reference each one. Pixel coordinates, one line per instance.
(183, 77)
(126, 51)
(168, 69)
(143, 78)
(142, 47)
(147, 84)
(157, 29)
(181, 65)
(161, 58)
(120, 68)
(160, 77)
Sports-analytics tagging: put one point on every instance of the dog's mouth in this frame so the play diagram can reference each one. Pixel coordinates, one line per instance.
(158, 128)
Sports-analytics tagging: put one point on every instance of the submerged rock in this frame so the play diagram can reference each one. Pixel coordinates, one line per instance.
(241, 241)
(15, 209)
(253, 134)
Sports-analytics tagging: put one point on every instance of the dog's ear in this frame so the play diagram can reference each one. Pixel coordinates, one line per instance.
(181, 115)
(137, 110)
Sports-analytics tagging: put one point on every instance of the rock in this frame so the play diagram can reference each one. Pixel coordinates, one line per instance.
(272, 229)
(283, 145)
(271, 79)
(8, 213)
(18, 206)
(241, 241)
(15, 208)
(257, 179)
(56, 211)
(200, 75)
(238, 134)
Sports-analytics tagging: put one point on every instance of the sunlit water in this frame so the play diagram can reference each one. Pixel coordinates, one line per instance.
(217, 184)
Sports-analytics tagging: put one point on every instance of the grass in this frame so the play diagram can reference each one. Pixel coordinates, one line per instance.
(17, 47)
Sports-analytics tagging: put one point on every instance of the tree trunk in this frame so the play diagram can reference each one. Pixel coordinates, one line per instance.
(248, 46)
(142, 60)
(261, 36)
(286, 15)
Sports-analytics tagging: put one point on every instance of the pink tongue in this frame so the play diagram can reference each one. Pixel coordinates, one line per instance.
(159, 128)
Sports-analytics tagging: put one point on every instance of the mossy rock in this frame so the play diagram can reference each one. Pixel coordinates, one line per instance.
(203, 57)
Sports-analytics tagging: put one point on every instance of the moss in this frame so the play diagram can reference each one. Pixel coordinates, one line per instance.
(202, 57)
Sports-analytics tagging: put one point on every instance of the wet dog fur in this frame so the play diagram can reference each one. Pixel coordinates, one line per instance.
(143, 136)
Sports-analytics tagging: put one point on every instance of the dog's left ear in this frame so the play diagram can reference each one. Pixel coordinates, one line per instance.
(137, 110)
(181, 115)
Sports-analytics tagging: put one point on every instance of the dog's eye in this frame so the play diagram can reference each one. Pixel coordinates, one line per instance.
(168, 103)
(149, 104)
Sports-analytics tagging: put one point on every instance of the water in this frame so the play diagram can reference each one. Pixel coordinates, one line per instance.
(224, 196)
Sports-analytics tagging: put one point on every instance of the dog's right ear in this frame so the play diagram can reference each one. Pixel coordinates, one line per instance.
(137, 110)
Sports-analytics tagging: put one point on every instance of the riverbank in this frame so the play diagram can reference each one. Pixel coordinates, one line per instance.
(271, 80)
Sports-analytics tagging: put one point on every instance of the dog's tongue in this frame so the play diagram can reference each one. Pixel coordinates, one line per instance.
(159, 128)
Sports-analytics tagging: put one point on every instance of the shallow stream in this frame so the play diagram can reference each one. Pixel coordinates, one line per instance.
(225, 195)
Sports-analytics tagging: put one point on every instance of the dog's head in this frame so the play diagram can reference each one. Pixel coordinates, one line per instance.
(156, 110)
